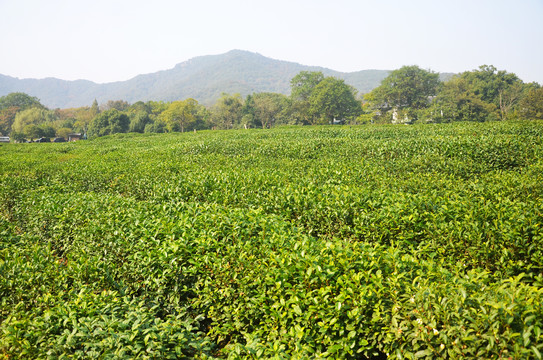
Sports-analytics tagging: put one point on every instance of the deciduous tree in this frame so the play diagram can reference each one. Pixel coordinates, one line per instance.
(7, 116)
(13, 103)
(531, 106)
(109, 122)
(20, 100)
(48, 130)
(303, 84)
(84, 116)
(180, 114)
(34, 115)
(269, 108)
(138, 121)
(493, 86)
(228, 111)
(32, 131)
(333, 99)
(409, 87)
(302, 87)
(458, 102)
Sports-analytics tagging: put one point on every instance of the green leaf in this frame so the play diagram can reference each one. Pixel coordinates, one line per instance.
(423, 353)
(536, 352)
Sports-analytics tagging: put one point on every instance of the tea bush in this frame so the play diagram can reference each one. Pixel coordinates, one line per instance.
(398, 242)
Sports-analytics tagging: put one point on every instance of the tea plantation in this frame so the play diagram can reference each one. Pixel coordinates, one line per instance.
(369, 242)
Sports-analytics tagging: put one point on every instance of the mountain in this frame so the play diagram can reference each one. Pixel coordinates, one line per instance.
(203, 78)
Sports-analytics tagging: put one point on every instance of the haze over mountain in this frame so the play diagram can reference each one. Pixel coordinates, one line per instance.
(203, 78)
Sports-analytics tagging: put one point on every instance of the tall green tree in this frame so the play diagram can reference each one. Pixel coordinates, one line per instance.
(303, 84)
(181, 114)
(12, 104)
(331, 100)
(156, 126)
(248, 120)
(84, 115)
(155, 108)
(302, 87)
(487, 81)
(48, 130)
(407, 89)
(497, 87)
(138, 121)
(32, 131)
(20, 100)
(508, 98)
(7, 116)
(94, 109)
(83, 119)
(457, 101)
(269, 108)
(109, 122)
(531, 105)
(228, 111)
(35, 116)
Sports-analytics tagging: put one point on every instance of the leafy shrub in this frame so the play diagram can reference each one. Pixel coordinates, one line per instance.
(331, 242)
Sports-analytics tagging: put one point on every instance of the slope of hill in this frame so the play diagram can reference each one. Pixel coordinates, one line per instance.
(203, 78)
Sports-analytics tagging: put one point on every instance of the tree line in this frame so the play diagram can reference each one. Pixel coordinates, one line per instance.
(409, 94)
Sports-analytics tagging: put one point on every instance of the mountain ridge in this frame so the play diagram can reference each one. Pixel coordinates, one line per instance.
(203, 78)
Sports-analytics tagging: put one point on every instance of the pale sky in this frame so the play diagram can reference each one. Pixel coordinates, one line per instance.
(112, 40)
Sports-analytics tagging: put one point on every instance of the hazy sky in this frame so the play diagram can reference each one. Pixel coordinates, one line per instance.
(111, 40)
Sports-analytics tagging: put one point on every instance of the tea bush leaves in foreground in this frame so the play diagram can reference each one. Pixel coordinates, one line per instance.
(332, 242)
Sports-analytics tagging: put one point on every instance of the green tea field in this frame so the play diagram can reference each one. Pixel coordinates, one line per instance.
(366, 242)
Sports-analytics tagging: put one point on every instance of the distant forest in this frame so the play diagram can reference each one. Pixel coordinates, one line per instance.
(407, 95)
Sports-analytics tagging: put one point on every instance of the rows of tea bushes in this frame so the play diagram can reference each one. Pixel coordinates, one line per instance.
(375, 242)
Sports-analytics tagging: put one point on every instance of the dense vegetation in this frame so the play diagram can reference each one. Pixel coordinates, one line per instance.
(411, 94)
(420, 241)
(407, 95)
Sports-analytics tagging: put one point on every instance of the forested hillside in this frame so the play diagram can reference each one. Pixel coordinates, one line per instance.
(203, 78)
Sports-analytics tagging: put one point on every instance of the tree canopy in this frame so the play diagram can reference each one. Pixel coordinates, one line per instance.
(32, 116)
(407, 94)
(109, 122)
(479, 95)
(20, 100)
(303, 84)
(531, 106)
(409, 87)
(458, 102)
(181, 114)
(269, 108)
(12, 104)
(331, 100)
(228, 111)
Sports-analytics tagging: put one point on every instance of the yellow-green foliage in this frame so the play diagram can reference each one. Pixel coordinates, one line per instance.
(323, 242)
